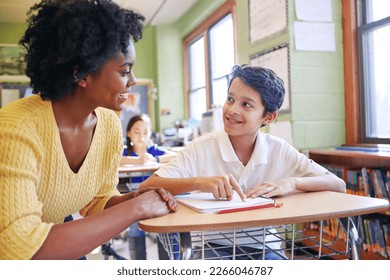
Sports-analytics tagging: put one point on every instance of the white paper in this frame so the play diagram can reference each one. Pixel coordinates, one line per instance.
(282, 130)
(8, 95)
(314, 36)
(314, 10)
(206, 203)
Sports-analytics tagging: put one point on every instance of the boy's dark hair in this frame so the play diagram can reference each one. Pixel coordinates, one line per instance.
(64, 35)
(264, 81)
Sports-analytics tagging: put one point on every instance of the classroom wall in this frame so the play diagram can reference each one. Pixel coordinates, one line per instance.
(10, 33)
(316, 78)
(317, 85)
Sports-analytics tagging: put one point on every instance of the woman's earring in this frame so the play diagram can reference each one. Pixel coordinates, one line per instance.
(80, 82)
(83, 83)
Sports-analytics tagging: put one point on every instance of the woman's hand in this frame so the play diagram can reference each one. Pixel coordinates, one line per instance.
(169, 200)
(220, 186)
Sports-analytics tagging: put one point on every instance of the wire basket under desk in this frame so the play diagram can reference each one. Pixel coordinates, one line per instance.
(297, 242)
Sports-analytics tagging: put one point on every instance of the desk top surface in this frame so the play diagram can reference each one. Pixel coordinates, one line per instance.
(297, 208)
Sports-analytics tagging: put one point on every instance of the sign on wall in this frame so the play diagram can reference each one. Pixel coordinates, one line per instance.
(276, 59)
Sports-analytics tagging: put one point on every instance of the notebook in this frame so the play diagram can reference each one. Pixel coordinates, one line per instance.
(206, 203)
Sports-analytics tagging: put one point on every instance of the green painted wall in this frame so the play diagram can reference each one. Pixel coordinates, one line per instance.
(10, 33)
(170, 75)
(145, 65)
(317, 86)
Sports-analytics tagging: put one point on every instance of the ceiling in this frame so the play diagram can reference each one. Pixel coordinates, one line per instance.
(156, 12)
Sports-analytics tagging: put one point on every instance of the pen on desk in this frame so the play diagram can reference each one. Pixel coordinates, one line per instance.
(225, 211)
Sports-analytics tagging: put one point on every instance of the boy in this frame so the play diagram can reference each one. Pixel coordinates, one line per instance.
(243, 157)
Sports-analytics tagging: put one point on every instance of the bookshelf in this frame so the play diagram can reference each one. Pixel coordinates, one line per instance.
(361, 169)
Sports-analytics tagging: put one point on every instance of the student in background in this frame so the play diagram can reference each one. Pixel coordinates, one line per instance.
(244, 159)
(60, 148)
(141, 150)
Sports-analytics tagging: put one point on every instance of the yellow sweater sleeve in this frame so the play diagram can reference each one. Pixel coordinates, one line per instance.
(21, 229)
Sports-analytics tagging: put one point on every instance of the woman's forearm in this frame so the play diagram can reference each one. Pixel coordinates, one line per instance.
(75, 239)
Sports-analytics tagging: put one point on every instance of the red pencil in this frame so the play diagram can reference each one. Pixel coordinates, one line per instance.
(249, 208)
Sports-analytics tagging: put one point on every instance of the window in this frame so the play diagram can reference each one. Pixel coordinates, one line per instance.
(209, 56)
(373, 37)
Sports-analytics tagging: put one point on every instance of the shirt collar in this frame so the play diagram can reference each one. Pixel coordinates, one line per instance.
(260, 153)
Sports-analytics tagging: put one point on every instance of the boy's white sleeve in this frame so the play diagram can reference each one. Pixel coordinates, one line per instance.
(184, 165)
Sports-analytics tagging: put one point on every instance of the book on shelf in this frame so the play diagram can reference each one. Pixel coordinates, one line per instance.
(374, 233)
(386, 180)
(368, 182)
(378, 183)
(206, 203)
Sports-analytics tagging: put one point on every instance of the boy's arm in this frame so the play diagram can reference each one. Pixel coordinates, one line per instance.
(325, 182)
(219, 186)
(173, 185)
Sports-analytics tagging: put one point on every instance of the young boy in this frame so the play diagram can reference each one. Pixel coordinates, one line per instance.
(242, 157)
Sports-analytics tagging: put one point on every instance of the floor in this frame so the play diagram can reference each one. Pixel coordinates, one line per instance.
(121, 247)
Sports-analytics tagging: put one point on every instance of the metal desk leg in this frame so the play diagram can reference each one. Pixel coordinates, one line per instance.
(185, 246)
(352, 235)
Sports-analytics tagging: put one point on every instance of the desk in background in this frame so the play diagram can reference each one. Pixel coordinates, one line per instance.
(125, 172)
(297, 208)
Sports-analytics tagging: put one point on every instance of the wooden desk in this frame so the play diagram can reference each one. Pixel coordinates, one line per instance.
(297, 208)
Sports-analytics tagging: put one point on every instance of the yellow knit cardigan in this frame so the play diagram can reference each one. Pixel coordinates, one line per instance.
(37, 186)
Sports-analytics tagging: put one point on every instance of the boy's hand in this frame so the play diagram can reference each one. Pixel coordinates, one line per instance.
(221, 186)
(270, 189)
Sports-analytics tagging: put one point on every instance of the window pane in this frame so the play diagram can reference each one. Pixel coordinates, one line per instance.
(221, 58)
(197, 64)
(377, 99)
(222, 47)
(220, 88)
(198, 103)
(377, 9)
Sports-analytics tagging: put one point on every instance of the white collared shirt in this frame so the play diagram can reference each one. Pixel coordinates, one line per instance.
(213, 155)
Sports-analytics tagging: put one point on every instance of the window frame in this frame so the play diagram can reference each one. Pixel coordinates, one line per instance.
(353, 79)
(229, 7)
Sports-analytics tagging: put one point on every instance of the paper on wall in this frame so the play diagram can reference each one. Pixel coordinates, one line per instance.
(314, 36)
(314, 10)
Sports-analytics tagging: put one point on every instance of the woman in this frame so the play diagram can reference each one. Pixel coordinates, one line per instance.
(62, 146)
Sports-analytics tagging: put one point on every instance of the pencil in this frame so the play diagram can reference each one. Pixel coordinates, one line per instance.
(225, 211)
